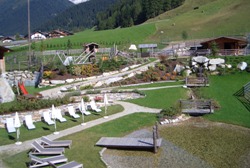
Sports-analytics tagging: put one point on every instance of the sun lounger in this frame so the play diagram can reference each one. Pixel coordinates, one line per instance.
(46, 142)
(72, 112)
(40, 162)
(40, 150)
(28, 122)
(94, 107)
(72, 164)
(59, 116)
(10, 125)
(83, 110)
(47, 118)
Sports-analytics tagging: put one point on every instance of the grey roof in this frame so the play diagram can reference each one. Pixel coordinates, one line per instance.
(147, 46)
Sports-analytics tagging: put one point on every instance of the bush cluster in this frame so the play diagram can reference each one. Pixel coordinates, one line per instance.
(26, 105)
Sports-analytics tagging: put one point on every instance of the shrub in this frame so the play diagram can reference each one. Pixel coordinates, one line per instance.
(93, 91)
(169, 112)
(98, 99)
(85, 98)
(86, 87)
(77, 70)
(48, 74)
(62, 70)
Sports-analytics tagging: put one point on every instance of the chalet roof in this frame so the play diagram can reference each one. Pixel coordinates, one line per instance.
(8, 38)
(62, 32)
(240, 39)
(147, 46)
(89, 44)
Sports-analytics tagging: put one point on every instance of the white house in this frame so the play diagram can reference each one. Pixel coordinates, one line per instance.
(38, 36)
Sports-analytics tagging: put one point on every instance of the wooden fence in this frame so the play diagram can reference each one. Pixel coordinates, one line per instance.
(247, 91)
(196, 106)
(194, 82)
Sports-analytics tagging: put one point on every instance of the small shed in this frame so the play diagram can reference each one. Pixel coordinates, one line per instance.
(150, 49)
(2, 60)
(91, 49)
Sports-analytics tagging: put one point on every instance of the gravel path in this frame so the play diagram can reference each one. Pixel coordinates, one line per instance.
(170, 156)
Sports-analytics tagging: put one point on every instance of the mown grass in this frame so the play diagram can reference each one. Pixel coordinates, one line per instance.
(162, 98)
(44, 129)
(155, 84)
(83, 149)
(222, 89)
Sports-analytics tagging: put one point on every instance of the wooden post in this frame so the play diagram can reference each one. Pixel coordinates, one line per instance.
(157, 131)
(154, 140)
(210, 104)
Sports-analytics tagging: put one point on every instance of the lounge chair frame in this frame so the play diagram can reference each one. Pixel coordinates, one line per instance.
(46, 142)
(40, 150)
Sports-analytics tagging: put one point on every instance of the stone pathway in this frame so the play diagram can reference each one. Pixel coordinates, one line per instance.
(129, 108)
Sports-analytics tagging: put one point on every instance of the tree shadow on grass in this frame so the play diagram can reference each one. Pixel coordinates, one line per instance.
(73, 120)
(45, 128)
(240, 96)
(11, 137)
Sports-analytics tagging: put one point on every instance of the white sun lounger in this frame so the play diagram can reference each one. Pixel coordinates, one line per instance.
(46, 142)
(10, 125)
(83, 110)
(29, 122)
(47, 118)
(59, 116)
(94, 107)
(72, 112)
(40, 150)
(40, 162)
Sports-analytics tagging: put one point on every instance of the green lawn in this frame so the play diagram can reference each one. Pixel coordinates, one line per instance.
(222, 89)
(155, 84)
(162, 98)
(83, 149)
(44, 129)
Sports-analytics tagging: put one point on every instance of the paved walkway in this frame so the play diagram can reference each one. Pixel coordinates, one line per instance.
(129, 108)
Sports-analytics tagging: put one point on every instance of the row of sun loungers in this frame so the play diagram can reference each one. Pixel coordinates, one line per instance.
(47, 116)
(54, 150)
(27, 120)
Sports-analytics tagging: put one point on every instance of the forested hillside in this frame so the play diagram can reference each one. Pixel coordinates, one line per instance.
(78, 17)
(14, 15)
(129, 12)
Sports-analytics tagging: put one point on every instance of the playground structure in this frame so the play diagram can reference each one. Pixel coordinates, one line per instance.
(87, 56)
(22, 88)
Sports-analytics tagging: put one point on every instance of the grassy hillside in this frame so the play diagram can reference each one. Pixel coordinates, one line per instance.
(120, 36)
(212, 18)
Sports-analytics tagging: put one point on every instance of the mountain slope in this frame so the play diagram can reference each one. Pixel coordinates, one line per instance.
(79, 16)
(213, 18)
(14, 14)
